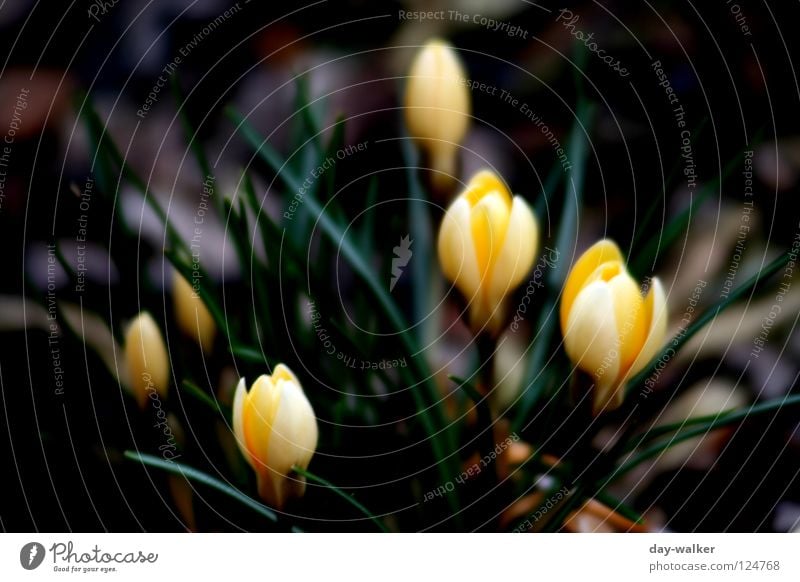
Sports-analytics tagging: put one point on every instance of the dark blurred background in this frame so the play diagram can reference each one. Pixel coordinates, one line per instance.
(738, 86)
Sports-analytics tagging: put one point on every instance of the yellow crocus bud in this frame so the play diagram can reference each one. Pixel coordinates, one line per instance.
(192, 315)
(610, 331)
(487, 243)
(276, 429)
(146, 359)
(437, 106)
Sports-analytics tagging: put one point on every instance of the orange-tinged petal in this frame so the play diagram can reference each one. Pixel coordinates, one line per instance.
(282, 372)
(489, 222)
(260, 407)
(146, 358)
(656, 317)
(483, 183)
(631, 317)
(518, 252)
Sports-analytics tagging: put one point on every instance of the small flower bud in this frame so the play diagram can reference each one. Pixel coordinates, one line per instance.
(276, 430)
(487, 244)
(610, 331)
(146, 359)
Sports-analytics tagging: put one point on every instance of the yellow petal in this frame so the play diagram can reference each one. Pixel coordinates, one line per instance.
(631, 317)
(238, 417)
(191, 313)
(601, 252)
(456, 250)
(282, 372)
(656, 317)
(591, 334)
(516, 257)
(483, 183)
(293, 441)
(146, 358)
(489, 223)
(437, 100)
(294, 437)
(259, 412)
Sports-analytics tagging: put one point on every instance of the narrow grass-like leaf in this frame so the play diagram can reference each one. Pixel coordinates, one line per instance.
(194, 143)
(193, 474)
(714, 421)
(663, 240)
(419, 221)
(201, 396)
(708, 315)
(703, 429)
(438, 429)
(620, 507)
(551, 182)
(658, 201)
(367, 233)
(535, 379)
(350, 499)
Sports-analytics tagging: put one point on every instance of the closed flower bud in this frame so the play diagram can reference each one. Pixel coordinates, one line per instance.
(192, 315)
(508, 372)
(437, 106)
(146, 359)
(610, 331)
(487, 243)
(276, 430)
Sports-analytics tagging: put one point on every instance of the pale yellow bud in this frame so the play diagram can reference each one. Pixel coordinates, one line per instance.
(437, 106)
(276, 429)
(192, 315)
(508, 372)
(610, 331)
(146, 358)
(487, 244)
